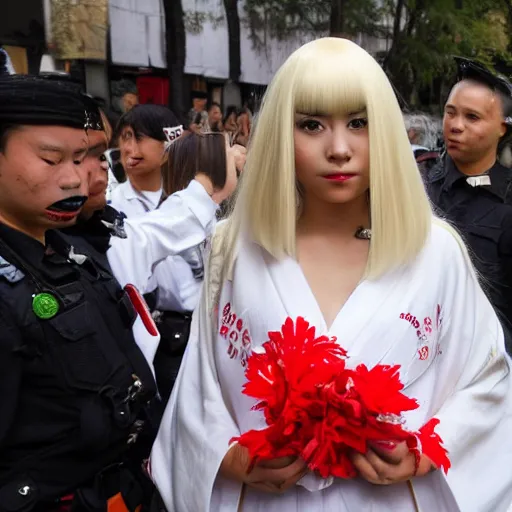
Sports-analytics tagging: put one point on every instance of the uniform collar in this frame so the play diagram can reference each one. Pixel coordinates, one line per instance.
(500, 178)
(32, 250)
(50, 259)
(130, 192)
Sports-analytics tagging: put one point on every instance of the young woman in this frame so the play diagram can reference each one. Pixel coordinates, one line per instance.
(215, 117)
(332, 223)
(142, 142)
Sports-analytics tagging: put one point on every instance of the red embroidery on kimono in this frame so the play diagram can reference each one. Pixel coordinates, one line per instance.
(423, 353)
(425, 331)
(234, 331)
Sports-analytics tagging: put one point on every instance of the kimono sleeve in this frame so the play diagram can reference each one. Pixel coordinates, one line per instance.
(475, 383)
(183, 221)
(196, 428)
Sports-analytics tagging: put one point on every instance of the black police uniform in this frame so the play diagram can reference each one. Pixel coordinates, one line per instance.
(483, 215)
(74, 387)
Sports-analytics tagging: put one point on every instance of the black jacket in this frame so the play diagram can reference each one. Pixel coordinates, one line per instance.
(73, 386)
(483, 216)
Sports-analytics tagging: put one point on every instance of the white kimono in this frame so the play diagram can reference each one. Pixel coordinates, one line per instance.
(430, 317)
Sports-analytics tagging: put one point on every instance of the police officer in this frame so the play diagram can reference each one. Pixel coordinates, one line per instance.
(470, 187)
(74, 344)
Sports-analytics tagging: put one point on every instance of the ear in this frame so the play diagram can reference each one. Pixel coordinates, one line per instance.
(503, 129)
(2, 162)
(165, 158)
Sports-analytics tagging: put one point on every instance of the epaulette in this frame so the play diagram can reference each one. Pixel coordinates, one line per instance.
(9, 272)
(114, 222)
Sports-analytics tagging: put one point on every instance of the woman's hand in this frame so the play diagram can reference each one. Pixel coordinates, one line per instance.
(239, 154)
(275, 476)
(389, 463)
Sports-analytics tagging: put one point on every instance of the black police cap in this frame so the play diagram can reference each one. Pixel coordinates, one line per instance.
(46, 100)
(468, 69)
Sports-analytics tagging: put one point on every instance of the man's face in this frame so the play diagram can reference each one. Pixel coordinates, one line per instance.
(214, 115)
(42, 180)
(97, 170)
(199, 104)
(473, 122)
(129, 101)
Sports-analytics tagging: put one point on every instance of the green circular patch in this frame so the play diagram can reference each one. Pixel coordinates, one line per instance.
(45, 306)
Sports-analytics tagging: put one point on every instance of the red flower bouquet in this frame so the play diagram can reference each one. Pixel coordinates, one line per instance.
(317, 408)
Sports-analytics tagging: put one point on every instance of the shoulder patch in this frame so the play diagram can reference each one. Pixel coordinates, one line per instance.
(115, 223)
(9, 272)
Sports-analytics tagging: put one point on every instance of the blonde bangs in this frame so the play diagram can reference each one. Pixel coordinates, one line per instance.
(328, 88)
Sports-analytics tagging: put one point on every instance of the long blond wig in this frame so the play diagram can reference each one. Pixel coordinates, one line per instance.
(335, 77)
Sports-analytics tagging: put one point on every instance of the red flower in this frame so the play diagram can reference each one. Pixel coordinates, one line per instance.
(318, 409)
(294, 361)
(361, 406)
(432, 445)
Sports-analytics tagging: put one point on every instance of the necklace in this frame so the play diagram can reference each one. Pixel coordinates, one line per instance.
(363, 233)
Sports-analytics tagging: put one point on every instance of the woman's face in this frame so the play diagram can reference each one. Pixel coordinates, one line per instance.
(332, 157)
(243, 123)
(230, 124)
(214, 115)
(140, 156)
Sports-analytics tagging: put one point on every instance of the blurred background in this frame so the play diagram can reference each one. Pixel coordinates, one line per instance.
(175, 52)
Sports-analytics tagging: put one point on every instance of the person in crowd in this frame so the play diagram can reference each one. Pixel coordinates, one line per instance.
(332, 224)
(421, 130)
(243, 121)
(144, 150)
(423, 135)
(190, 155)
(194, 122)
(129, 100)
(215, 117)
(230, 123)
(198, 113)
(142, 143)
(470, 187)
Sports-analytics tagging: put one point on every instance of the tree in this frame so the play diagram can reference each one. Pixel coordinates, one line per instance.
(281, 19)
(235, 61)
(176, 54)
(426, 34)
(421, 35)
(337, 18)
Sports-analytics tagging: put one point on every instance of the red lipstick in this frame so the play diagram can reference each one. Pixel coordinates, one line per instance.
(61, 216)
(339, 176)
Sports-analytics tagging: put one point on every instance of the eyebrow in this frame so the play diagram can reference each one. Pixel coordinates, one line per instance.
(472, 110)
(48, 147)
(97, 146)
(80, 152)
